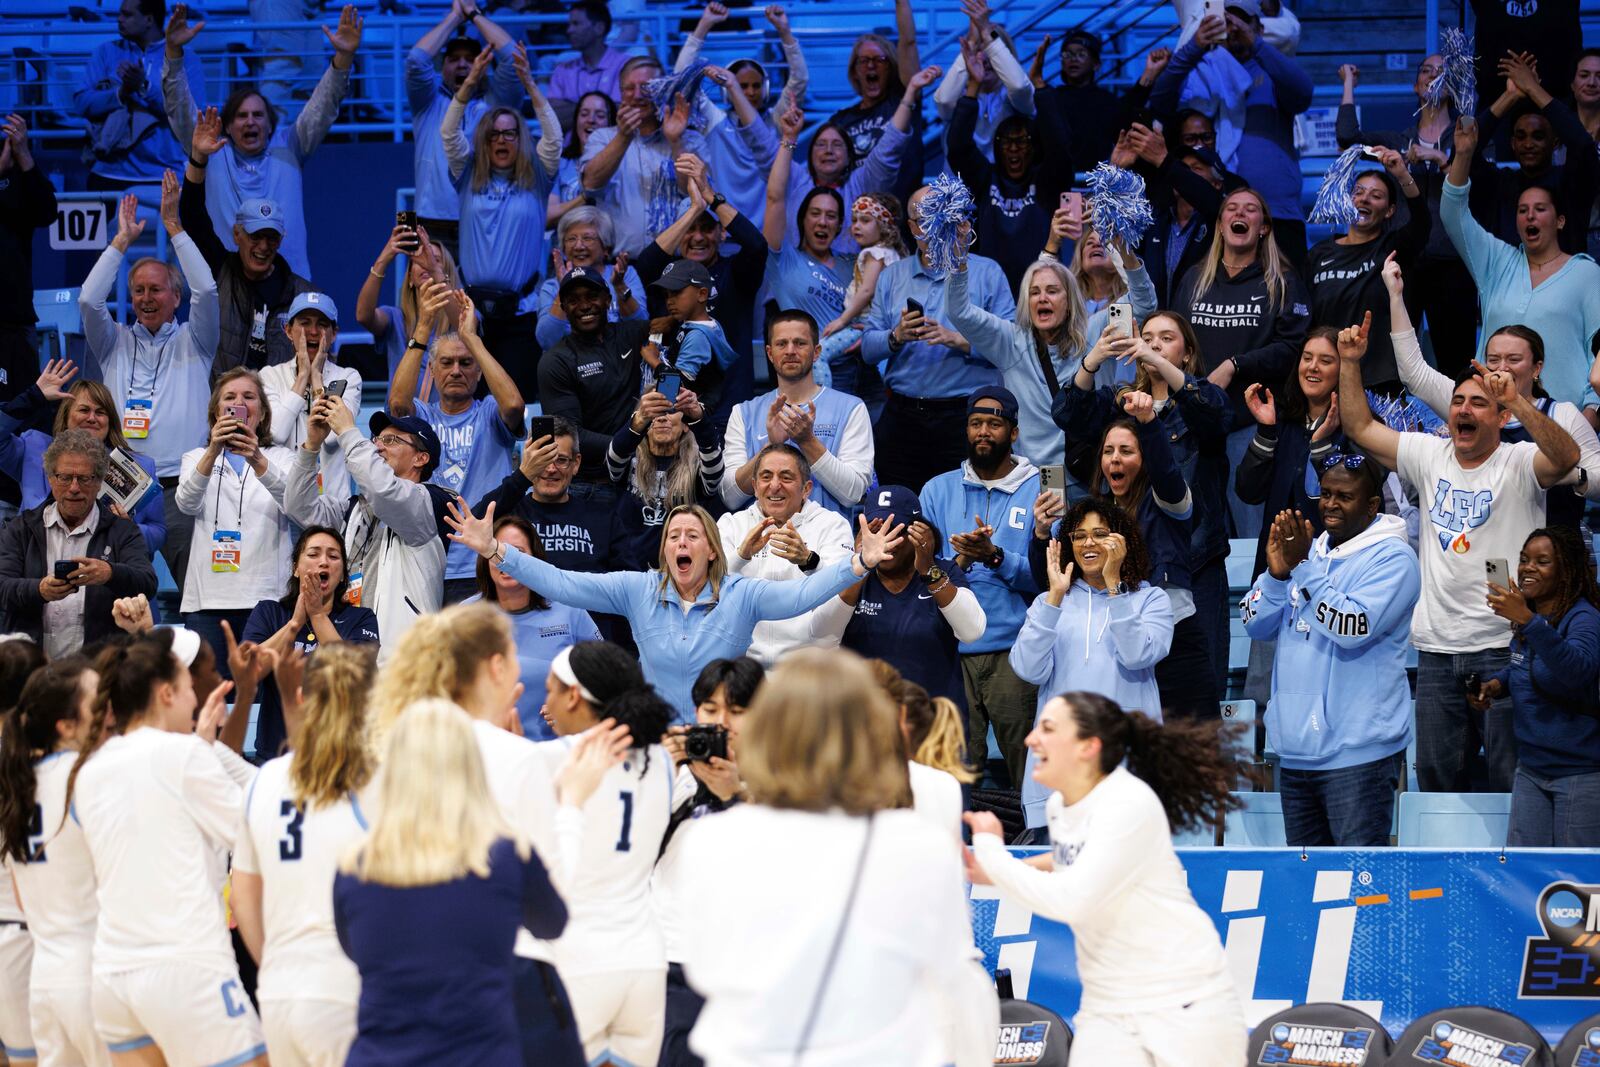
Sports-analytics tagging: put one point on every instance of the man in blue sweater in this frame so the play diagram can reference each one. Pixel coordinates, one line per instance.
(1339, 607)
(985, 511)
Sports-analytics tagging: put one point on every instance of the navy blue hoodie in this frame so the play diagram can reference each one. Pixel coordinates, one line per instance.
(1552, 680)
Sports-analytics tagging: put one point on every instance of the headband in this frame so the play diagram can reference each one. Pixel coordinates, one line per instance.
(561, 667)
(874, 209)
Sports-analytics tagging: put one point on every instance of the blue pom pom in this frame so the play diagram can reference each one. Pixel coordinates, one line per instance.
(663, 90)
(1118, 206)
(940, 213)
(1459, 79)
(1334, 204)
(1406, 414)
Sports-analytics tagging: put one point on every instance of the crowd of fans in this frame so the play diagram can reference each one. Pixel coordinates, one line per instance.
(1003, 481)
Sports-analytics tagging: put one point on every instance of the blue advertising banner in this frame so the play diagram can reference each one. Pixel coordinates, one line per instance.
(1396, 933)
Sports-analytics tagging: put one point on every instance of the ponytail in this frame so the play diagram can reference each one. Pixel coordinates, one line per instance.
(945, 746)
(620, 692)
(50, 695)
(331, 758)
(129, 673)
(1191, 764)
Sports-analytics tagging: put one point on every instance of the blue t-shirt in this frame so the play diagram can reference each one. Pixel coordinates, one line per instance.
(796, 280)
(502, 233)
(477, 456)
(697, 346)
(907, 630)
(356, 625)
(539, 635)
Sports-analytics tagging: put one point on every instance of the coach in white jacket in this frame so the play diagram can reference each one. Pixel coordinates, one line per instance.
(158, 371)
(783, 536)
(393, 527)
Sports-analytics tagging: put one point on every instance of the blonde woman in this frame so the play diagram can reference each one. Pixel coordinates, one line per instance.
(430, 905)
(935, 738)
(233, 488)
(670, 608)
(466, 655)
(393, 326)
(302, 814)
(873, 961)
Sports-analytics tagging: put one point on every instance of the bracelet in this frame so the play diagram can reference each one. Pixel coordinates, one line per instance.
(790, 145)
(193, 162)
(376, 273)
(498, 556)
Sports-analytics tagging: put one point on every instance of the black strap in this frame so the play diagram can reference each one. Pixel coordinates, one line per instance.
(833, 951)
(1042, 350)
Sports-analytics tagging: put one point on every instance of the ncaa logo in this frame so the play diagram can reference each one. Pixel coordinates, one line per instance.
(1280, 1033)
(1589, 1054)
(1563, 908)
(1554, 964)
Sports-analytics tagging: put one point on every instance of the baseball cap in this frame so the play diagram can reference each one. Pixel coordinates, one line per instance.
(682, 273)
(894, 500)
(463, 43)
(582, 276)
(1251, 8)
(995, 395)
(1090, 41)
(427, 440)
(259, 213)
(321, 303)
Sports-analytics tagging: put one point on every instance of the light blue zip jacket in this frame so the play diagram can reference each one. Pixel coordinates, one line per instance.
(1342, 623)
(952, 502)
(675, 645)
(1096, 643)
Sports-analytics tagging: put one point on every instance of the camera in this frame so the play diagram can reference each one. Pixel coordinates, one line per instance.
(703, 741)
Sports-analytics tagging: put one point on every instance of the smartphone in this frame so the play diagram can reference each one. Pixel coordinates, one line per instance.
(1072, 200)
(1053, 479)
(1217, 8)
(1119, 316)
(237, 411)
(1473, 682)
(64, 569)
(541, 426)
(914, 306)
(408, 219)
(335, 387)
(1498, 571)
(668, 385)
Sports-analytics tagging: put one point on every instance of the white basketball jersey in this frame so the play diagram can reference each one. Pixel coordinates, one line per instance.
(156, 808)
(611, 923)
(296, 852)
(57, 883)
(526, 794)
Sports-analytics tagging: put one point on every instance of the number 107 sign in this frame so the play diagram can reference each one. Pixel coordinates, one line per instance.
(79, 226)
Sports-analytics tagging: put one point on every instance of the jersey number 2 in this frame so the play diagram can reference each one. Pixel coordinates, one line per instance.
(624, 840)
(289, 847)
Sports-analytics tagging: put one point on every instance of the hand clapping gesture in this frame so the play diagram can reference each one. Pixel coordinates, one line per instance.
(1288, 543)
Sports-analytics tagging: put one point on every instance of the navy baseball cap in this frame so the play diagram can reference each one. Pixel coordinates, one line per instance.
(427, 440)
(682, 273)
(321, 303)
(996, 396)
(894, 500)
(582, 276)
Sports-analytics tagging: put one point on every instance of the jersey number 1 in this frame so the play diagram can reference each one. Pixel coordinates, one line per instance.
(289, 847)
(624, 840)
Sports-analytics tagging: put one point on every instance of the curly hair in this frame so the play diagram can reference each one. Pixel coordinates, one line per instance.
(1136, 567)
(1575, 579)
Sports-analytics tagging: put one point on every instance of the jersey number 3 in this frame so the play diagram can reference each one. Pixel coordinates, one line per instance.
(625, 839)
(289, 846)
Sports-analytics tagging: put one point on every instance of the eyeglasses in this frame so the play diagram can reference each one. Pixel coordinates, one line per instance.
(503, 135)
(75, 479)
(561, 462)
(1351, 462)
(1083, 537)
(872, 61)
(390, 440)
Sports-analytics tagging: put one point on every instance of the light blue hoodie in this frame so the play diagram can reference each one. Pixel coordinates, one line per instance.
(1342, 623)
(1096, 643)
(952, 502)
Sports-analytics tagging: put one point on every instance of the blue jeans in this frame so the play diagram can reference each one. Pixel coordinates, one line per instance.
(1352, 807)
(1554, 812)
(1213, 611)
(1246, 518)
(1449, 731)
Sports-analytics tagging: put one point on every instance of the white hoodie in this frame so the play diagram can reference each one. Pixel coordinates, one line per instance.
(825, 532)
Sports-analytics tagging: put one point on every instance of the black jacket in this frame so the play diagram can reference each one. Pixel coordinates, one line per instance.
(1235, 320)
(24, 561)
(1572, 185)
(594, 385)
(1175, 179)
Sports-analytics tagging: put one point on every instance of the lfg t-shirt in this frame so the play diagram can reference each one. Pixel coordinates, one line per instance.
(1470, 517)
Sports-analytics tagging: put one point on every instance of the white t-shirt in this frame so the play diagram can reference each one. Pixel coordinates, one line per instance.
(610, 919)
(936, 795)
(1468, 518)
(57, 885)
(156, 807)
(526, 793)
(764, 893)
(1142, 942)
(667, 880)
(297, 855)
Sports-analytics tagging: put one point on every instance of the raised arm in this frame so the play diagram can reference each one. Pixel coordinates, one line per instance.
(99, 328)
(1558, 452)
(775, 220)
(1290, 83)
(1420, 380)
(905, 28)
(176, 93)
(457, 148)
(507, 397)
(1355, 415)
(794, 90)
(403, 385)
(317, 117)
(614, 592)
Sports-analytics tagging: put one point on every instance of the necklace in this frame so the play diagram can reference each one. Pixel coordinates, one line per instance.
(1543, 262)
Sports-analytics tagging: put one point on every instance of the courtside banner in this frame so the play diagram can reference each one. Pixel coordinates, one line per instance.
(1396, 933)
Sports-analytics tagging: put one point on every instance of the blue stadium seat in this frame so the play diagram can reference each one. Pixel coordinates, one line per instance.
(59, 321)
(1241, 564)
(1454, 820)
(1259, 824)
(1196, 837)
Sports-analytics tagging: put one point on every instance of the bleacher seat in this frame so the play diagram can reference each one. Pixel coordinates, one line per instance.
(1454, 820)
(60, 324)
(1241, 564)
(1259, 824)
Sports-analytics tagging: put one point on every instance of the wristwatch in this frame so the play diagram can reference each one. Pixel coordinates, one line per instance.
(811, 562)
(998, 558)
(418, 345)
(471, 15)
(935, 575)
(716, 201)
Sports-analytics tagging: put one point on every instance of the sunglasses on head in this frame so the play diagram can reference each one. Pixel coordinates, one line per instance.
(1350, 462)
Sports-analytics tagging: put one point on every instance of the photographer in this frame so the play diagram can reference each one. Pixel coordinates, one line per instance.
(1555, 658)
(721, 694)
